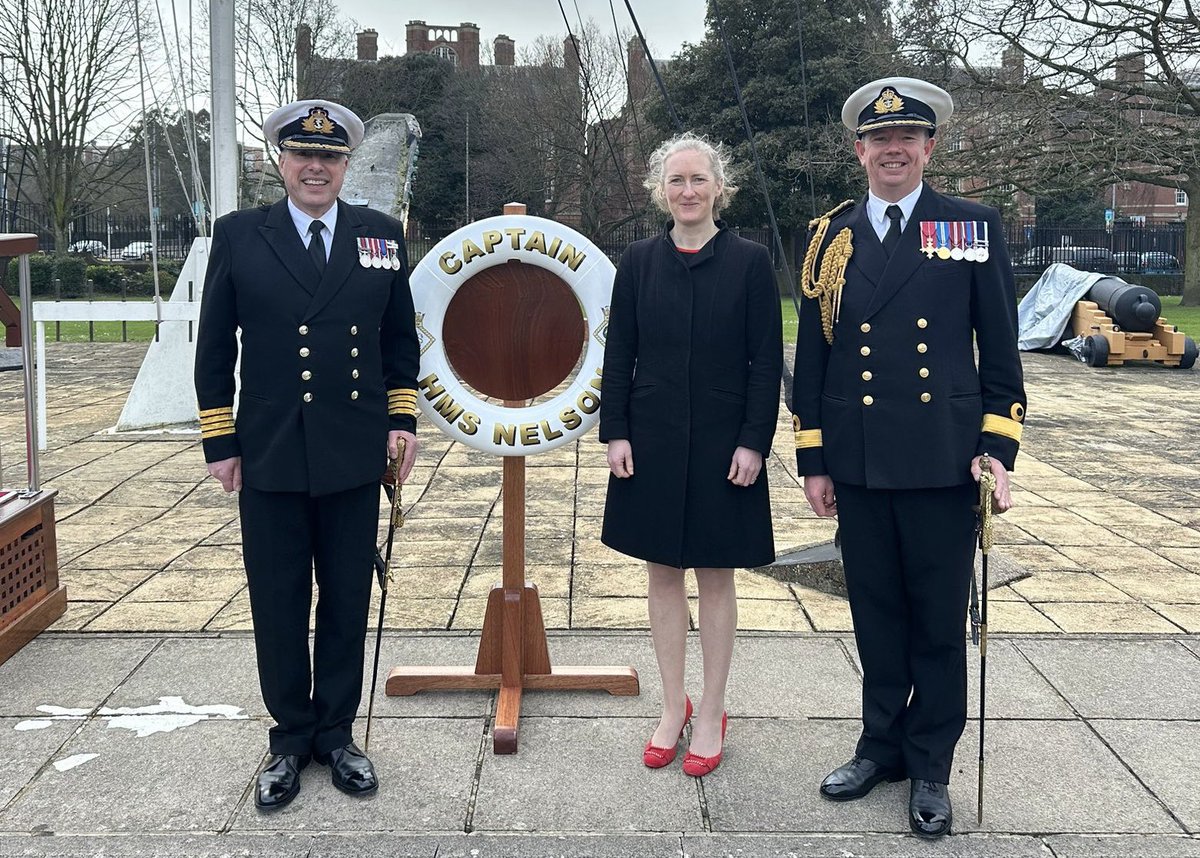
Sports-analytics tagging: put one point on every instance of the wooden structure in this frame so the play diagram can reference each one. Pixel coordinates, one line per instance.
(31, 597)
(513, 332)
(1106, 344)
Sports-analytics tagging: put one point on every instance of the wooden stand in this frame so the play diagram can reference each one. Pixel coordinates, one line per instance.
(513, 654)
(492, 346)
(1108, 345)
(30, 596)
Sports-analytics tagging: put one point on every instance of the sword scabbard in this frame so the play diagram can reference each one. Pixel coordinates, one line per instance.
(979, 812)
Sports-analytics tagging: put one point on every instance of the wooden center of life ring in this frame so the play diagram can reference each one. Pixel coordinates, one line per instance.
(534, 335)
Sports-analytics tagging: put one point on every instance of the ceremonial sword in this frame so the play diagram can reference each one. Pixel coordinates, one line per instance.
(979, 600)
(383, 571)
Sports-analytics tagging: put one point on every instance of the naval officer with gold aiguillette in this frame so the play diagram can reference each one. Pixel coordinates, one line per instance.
(319, 293)
(892, 413)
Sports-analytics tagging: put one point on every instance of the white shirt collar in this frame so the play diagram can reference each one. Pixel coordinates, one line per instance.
(877, 210)
(302, 221)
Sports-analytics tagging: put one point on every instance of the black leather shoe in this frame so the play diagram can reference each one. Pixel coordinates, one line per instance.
(351, 770)
(279, 781)
(929, 813)
(857, 778)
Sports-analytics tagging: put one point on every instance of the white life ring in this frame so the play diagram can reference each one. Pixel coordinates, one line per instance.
(446, 401)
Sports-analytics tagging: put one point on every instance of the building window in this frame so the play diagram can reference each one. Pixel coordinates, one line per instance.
(1007, 188)
(1180, 197)
(445, 52)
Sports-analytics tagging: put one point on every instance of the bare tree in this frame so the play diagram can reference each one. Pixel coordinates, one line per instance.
(1088, 93)
(74, 72)
(558, 132)
(276, 42)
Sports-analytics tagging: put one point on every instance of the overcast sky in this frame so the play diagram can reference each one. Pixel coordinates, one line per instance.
(666, 25)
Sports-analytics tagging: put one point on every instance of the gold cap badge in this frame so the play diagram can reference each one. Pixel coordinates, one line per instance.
(889, 102)
(318, 122)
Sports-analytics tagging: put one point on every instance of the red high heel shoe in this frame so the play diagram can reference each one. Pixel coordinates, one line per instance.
(655, 757)
(698, 766)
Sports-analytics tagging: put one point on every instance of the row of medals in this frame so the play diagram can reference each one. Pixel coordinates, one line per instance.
(379, 253)
(955, 239)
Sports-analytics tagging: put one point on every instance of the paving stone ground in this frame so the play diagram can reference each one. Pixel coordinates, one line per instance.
(135, 744)
(133, 726)
(1107, 517)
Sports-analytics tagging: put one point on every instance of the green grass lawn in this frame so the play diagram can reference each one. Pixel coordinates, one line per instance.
(790, 320)
(1186, 319)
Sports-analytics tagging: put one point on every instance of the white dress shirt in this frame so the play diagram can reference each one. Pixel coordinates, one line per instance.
(877, 211)
(302, 221)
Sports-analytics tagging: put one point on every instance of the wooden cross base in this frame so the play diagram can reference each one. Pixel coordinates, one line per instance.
(513, 637)
(513, 654)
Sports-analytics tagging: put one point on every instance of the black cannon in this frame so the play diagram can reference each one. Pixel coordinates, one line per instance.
(1134, 308)
(1121, 321)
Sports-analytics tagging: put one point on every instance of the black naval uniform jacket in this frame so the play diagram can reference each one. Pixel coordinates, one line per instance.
(328, 364)
(897, 402)
(692, 364)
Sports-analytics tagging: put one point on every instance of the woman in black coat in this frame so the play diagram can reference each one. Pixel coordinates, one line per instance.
(691, 377)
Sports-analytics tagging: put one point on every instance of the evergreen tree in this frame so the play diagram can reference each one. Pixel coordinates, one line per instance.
(845, 44)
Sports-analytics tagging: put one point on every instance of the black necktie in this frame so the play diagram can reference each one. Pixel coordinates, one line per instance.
(316, 245)
(892, 239)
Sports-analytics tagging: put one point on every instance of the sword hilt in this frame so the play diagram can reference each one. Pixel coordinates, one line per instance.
(987, 489)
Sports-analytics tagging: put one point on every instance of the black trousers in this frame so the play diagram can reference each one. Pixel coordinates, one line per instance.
(285, 536)
(908, 557)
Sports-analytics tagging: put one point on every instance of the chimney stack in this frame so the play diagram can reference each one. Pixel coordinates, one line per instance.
(504, 51)
(368, 45)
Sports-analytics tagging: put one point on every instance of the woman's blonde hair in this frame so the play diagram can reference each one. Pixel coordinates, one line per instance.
(687, 141)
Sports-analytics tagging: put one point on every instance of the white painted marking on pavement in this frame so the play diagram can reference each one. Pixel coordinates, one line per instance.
(166, 716)
(71, 762)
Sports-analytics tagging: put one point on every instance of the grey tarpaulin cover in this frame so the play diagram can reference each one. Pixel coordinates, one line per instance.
(1043, 313)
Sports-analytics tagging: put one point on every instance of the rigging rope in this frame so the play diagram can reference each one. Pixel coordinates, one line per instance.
(762, 179)
(662, 87)
(812, 193)
(161, 119)
(637, 128)
(587, 86)
(137, 17)
(188, 124)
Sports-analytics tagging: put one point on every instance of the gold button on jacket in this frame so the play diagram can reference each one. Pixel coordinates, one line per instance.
(906, 332)
(296, 332)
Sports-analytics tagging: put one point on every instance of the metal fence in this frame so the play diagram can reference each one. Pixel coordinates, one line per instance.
(105, 235)
(1137, 248)
(1126, 248)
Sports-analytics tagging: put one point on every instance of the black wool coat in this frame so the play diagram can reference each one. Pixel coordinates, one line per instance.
(328, 363)
(692, 366)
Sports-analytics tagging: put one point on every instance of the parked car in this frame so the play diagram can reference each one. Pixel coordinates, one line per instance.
(1159, 262)
(137, 250)
(95, 248)
(1084, 258)
(1127, 260)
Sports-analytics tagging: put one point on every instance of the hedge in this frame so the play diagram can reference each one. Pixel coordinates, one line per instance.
(73, 274)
